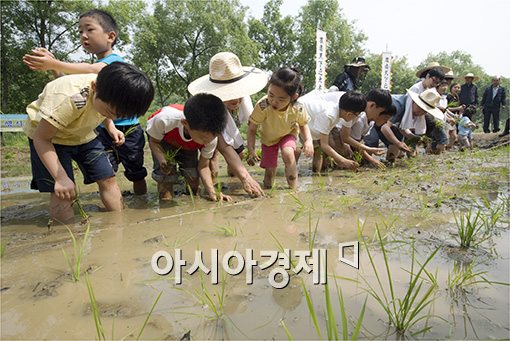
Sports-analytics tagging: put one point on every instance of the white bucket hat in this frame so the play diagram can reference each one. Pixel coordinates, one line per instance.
(428, 101)
(228, 79)
(423, 72)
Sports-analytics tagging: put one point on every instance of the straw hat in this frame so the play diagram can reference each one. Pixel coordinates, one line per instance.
(471, 75)
(228, 79)
(449, 75)
(428, 101)
(423, 72)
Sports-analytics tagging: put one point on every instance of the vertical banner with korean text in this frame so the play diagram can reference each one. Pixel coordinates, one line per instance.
(320, 61)
(386, 71)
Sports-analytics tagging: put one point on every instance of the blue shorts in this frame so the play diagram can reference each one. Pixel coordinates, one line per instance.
(130, 153)
(90, 157)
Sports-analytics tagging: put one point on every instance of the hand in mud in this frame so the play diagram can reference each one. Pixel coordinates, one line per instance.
(65, 189)
(378, 164)
(404, 147)
(219, 197)
(252, 159)
(252, 187)
(350, 164)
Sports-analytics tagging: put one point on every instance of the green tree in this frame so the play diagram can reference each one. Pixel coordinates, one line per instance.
(275, 36)
(175, 43)
(344, 41)
(402, 76)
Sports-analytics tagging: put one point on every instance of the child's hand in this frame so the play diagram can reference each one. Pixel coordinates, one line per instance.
(65, 189)
(252, 158)
(308, 148)
(404, 147)
(165, 168)
(349, 164)
(219, 197)
(252, 187)
(375, 151)
(118, 137)
(377, 163)
(40, 59)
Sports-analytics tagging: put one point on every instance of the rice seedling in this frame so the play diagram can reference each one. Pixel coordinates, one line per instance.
(191, 195)
(84, 216)
(226, 231)
(492, 213)
(462, 276)
(78, 252)
(404, 312)
(356, 156)
(286, 330)
(469, 228)
(170, 156)
(301, 208)
(2, 249)
(96, 313)
(331, 320)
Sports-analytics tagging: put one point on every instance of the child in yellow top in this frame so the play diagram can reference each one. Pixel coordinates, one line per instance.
(281, 119)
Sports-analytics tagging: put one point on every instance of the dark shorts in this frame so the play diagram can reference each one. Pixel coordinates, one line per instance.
(395, 130)
(130, 154)
(186, 162)
(90, 157)
(240, 149)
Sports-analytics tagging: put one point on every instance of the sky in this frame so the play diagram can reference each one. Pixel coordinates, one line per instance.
(416, 28)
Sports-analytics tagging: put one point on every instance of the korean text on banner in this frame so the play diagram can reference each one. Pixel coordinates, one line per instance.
(386, 71)
(320, 61)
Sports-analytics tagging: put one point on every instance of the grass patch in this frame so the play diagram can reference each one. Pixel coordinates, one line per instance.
(403, 312)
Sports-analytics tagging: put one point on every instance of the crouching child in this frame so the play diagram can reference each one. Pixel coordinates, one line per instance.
(176, 134)
(61, 125)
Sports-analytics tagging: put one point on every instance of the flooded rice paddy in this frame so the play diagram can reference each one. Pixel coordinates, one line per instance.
(416, 205)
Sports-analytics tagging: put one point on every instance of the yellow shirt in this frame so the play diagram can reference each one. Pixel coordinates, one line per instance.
(277, 124)
(66, 103)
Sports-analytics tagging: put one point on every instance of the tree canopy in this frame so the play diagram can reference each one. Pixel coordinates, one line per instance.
(172, 41)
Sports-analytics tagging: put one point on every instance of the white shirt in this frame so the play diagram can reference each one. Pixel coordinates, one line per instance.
(170, 118)
(231, 134)
(360, 126)
(408, 121)
(323, 109)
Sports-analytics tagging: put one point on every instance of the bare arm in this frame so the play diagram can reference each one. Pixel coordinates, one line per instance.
(116, 135)
(307, 143)
(251, 186)
(386, 130)
(64, 186)
(345, 133)
(252, 155)
(42, 60)
(205, 174)
(339, 159)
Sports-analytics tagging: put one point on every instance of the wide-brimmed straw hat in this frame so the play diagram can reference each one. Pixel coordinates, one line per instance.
(471, 75)
(228, 79)
(358, 62)
(428, 101)
(423, 72)
(449, 75)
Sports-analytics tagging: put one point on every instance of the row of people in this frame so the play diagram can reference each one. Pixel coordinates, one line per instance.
(63, 119)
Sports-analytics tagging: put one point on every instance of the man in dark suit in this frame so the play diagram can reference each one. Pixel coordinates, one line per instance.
(494, 97)
(468, 91)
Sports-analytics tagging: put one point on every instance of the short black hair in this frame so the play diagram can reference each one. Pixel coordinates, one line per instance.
(381, 98)
(390, 111)
(469, 111)
(436, 72)
(353, 101)
(206, 113)
(128, 90)
(105, 20)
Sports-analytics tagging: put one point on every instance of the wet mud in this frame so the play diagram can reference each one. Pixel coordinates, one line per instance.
(415, 202)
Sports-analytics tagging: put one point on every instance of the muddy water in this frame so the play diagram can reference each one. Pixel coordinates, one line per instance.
(413, 201)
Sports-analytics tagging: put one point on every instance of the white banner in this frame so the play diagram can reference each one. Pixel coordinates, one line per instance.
(320, 61)
(386, 71)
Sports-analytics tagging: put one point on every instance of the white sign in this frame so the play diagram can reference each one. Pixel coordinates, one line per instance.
(386, 71)
(320, 61)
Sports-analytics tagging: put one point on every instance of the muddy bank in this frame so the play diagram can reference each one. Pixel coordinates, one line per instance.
(415, 201)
